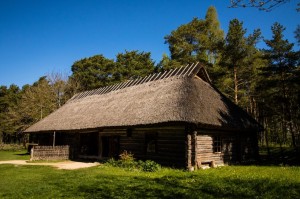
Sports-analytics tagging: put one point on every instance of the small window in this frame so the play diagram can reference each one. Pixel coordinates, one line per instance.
(151, 142)
(217, 144)
(129, 132)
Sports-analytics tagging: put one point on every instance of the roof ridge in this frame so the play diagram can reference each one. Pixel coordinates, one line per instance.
(188, 70)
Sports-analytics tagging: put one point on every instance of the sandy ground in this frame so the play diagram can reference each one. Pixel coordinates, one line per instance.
(68, 165)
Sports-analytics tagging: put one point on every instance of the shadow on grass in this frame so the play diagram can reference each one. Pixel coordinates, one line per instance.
(180, 187)
(22, 154)
(110, 182)
(281, 156)
(137, 187)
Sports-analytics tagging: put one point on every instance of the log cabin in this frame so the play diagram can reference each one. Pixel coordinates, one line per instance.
(176, 118)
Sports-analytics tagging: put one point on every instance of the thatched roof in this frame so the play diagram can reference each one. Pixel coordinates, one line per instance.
(180, 96)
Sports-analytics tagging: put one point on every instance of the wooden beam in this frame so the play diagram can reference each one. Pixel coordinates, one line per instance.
(54, 139)
(100, 145)
(195, 147)
(188, 152)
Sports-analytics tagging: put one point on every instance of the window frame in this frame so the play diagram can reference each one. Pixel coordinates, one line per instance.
(150, 143)
(217, 144)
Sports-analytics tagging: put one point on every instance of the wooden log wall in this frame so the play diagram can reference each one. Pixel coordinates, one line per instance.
(170, 145)
(205, 151)
(236, 147)
(50, 153)
(175, 146)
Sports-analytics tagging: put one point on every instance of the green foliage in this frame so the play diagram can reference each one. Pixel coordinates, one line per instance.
(37, 101)
(126, 156)
(297, 34)
(9, 99)
(241, 59)
(235, 43)
(185, 42)
(21, 108)
(167, 63)
(281, 87)
(98, 71)
(11, 147)
(198, 40)
(110, 182)
(93, 72)
(149, 166)
(112, 162)
(132, 64)
(279, 155)
(265, 83)
(127, 162)
(214, 38)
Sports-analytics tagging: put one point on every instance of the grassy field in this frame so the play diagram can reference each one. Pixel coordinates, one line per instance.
(14, 155)
(109, 182)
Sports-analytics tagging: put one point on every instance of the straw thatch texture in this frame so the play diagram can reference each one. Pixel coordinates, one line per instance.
(175, 99)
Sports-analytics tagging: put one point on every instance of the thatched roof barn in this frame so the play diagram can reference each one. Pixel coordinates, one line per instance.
(176, 98)
(179, 97)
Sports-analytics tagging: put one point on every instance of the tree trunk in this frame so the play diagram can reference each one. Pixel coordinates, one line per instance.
(266, 137)
(290, 124)
(235, 85)
(287, 116)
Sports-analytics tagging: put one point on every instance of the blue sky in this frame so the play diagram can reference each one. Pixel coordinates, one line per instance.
(38, 37)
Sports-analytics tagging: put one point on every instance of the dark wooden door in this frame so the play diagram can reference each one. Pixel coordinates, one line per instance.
(110, 146)
(89, 144)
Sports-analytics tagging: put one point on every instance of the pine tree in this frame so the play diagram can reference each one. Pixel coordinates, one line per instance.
(234, 54)
(133, 64)
(282, 72)
(93, 72)
(197, 41)
(9, 98)
(214, 36)
(186, 43)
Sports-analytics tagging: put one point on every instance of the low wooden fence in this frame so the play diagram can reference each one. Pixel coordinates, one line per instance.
(50, 152)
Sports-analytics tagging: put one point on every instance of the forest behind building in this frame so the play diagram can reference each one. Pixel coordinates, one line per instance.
(265, 81)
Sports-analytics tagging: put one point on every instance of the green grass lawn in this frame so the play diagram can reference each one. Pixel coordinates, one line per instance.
(14, 155)
(110, 182)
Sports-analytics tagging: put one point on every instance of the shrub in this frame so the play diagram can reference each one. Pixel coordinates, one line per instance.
(127, 162)
(112, 162)
(11, 147)
(125, 156)
(150, 166)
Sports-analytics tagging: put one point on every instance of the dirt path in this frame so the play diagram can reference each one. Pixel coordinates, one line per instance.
(68, 165)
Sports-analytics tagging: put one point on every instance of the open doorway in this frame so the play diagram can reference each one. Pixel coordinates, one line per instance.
(110, 146)
(89, 144)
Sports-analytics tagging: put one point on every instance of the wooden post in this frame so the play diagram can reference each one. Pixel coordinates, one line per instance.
(31, 153)
(100, 146)
(188, 151)
(54, 139)
(195, 150)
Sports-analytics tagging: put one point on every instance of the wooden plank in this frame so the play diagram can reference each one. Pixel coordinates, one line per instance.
(196, 150)
(188, 151)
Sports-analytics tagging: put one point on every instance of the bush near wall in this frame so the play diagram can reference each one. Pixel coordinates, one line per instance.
(11, 147)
